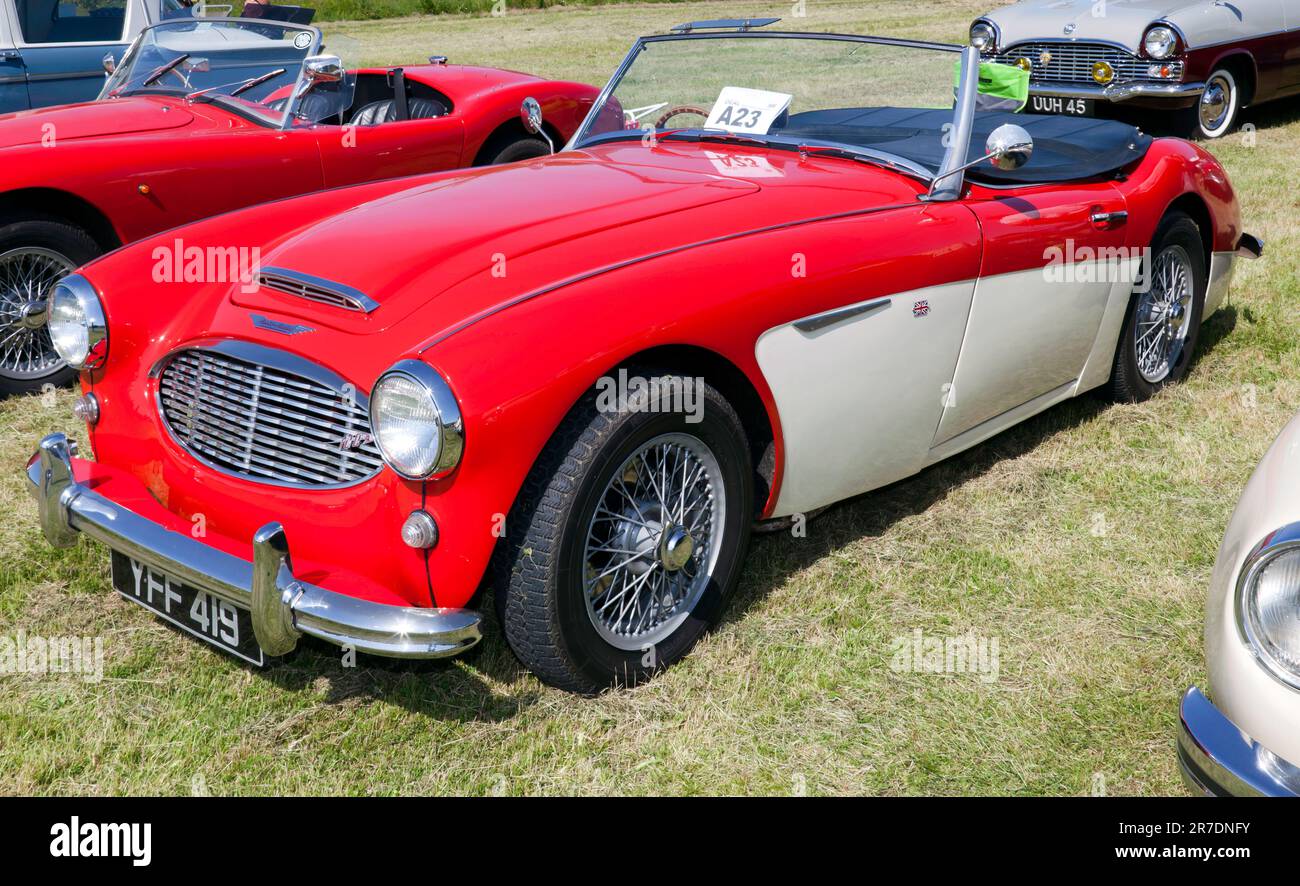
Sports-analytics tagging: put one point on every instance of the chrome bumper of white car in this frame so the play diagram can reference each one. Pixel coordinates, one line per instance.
(1118, 92)
(1219, 760)
(282, 607)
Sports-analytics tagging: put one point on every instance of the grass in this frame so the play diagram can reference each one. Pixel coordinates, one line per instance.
(1082, 541)
(337, 10)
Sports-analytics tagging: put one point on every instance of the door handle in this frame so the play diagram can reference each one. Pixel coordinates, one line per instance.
(10, 55)
(1105, 221)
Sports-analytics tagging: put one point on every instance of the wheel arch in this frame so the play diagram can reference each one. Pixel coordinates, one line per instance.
(1242, 65)
(65, 205)
(510, 131)
(730, 381)
(1193, 205)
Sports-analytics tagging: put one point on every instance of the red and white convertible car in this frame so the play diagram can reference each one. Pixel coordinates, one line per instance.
(770, 272)
(203, 116)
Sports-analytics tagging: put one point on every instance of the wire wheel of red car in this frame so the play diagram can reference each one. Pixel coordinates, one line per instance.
(27, 356)
(1164, 315)
(627, 539)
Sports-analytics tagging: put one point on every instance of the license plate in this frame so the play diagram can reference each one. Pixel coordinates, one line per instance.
(219, 622)
(1055, 104)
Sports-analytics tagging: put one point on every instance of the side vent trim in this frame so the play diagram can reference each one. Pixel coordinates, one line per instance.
(316, 289)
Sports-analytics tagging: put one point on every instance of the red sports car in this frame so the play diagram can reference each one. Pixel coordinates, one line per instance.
(208, 115)
(771, 271)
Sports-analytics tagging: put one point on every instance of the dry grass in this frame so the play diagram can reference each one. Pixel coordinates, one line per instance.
(1082, 540)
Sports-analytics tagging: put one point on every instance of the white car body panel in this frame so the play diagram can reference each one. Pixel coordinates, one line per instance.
(1254, 700)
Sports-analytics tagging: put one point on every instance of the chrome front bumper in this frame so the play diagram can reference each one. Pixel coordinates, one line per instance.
(1119, 92)
(1219, 760)
(283, 608)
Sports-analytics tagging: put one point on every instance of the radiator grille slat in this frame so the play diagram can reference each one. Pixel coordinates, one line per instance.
(265, 424)
(1072, 63)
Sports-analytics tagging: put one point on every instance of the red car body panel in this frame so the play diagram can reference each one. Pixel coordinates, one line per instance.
(146, 163)
(639, 248)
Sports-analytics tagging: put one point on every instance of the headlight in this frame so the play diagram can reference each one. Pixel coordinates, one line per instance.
(1160, 42)
(1269, 604)
(983, 37)
(416, 421)
(76, 322)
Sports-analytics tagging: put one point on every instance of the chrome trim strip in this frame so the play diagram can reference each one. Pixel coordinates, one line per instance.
(829, 318)
(626, 263)
(1217, 759)
(283, 607)
(359, 300)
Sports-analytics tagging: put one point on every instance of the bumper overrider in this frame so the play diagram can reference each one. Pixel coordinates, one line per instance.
(1219, 760)
(283, 608)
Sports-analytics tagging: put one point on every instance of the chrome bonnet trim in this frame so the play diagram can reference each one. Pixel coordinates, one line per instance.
(1217, 759)
(283, 608)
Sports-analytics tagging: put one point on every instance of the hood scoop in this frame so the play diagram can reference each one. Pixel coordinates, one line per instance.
(316, 289)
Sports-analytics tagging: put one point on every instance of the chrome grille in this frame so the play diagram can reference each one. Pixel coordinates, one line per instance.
(1072, 63)
(265, 424)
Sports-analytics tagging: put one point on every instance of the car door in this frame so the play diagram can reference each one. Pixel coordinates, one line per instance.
(356, 154)
(1053, 257)
(860, 382)
(13, 74)
(63, 44)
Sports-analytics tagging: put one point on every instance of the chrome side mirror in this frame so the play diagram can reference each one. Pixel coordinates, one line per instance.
(1009, 147)
(109, 63)
(321, 69)
(530, 114)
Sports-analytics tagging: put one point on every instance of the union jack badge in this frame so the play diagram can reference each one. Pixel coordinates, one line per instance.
(921, 308)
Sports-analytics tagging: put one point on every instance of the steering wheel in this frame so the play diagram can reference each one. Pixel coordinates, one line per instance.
(680, 109)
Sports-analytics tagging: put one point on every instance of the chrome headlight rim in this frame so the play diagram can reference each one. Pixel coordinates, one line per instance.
(1273, 546)
(450, 425)
(95, 323)
(988, 32)
(1169, 46)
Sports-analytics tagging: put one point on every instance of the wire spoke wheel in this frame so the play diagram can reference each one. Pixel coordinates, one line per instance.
(27, 276)
(1164, 314)
(652, 543)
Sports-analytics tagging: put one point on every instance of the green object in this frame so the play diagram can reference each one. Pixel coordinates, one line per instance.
(1002, 87)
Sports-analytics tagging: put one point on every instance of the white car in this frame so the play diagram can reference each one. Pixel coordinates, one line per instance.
(1206, 59)
(1247, 742)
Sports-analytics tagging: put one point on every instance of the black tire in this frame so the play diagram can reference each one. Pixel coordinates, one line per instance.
(519, 149)
(1127, 383)
(58, 236)
(538, 573)
(1224, 90)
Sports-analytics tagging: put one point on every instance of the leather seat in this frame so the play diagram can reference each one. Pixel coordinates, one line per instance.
(312, 107)
(385, 111)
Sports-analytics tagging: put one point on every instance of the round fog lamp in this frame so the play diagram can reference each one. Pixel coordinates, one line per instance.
(1103, 73)
(1025, 64)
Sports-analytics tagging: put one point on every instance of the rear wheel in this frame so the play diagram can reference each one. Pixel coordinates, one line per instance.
(628, 538)
(34, 254)
(1164, 314)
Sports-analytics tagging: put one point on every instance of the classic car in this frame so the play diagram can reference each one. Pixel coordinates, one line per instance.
(1246, 742)
(203, 116)
(1205, 60)
(737, 295)
(51, 52)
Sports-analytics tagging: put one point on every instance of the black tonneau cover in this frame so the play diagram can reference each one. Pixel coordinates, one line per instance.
(1065, 148)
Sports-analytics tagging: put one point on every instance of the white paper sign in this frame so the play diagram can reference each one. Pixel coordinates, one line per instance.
(747, 110)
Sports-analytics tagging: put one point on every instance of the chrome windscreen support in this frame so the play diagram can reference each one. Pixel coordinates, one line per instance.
(964, 124)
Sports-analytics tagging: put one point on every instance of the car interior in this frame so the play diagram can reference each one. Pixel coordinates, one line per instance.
(379, 98)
